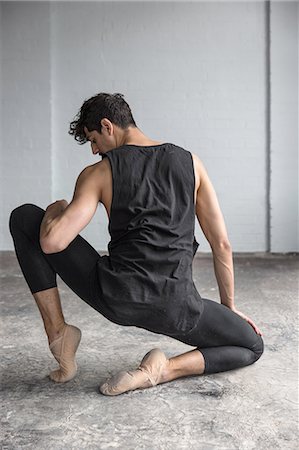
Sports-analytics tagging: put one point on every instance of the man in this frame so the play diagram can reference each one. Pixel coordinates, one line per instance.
(151, 191)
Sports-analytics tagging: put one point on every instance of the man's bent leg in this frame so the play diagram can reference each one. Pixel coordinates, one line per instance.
(225, 342)
(74, 265)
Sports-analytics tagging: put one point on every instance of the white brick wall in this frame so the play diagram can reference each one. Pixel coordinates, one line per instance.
(284, 127)
(193, 73)
(26, 120)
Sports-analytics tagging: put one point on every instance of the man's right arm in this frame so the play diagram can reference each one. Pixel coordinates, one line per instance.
(212, 223)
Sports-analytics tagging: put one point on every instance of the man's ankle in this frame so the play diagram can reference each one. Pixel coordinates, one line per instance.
(55, 331)
(167, 372)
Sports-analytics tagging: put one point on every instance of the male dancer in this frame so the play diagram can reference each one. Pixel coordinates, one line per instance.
(151, 191)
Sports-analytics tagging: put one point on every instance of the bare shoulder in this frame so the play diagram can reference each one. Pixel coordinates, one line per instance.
(99, 165)
(94, 177)
(199, 170)
(98, 171)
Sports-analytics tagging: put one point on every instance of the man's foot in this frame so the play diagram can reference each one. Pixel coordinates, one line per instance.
(149, 373)
(63, 349)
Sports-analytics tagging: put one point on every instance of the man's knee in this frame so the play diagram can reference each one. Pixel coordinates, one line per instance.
(258, 347)
(19, 214)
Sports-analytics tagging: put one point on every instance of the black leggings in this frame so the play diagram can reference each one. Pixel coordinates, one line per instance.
(225, 339)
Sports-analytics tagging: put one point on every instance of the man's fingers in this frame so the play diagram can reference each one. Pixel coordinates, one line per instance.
(256, 329)
(254, 326)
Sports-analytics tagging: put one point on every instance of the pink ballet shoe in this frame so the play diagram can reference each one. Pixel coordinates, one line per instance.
(64, 349)
(148, 374)
(152, 365)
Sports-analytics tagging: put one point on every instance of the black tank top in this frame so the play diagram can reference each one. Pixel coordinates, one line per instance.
(146, 280)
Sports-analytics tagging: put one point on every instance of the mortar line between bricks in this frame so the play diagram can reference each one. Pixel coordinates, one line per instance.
(268, 123)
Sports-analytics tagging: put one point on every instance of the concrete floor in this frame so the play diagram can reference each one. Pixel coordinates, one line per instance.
(249, 408)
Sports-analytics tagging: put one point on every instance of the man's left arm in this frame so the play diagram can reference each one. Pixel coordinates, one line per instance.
(62, 222)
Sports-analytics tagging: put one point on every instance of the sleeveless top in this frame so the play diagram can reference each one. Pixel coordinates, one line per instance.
(146, 280)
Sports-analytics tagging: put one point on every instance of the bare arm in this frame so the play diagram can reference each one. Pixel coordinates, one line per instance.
(53, 211)
(62, 222)
(212, 223)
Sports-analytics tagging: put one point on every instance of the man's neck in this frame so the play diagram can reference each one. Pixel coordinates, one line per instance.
(133, 136)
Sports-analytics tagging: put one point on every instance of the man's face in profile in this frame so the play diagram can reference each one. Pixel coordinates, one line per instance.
(97, 141)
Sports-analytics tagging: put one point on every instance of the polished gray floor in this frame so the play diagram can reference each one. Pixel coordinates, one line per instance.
(254, 407)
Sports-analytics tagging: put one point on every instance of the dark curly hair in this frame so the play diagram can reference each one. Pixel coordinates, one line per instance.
(98, 107)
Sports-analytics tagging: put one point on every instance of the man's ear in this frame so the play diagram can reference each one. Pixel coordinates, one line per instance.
(107, 126)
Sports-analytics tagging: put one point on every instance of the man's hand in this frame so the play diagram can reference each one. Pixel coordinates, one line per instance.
(256, 329)
(62, 203)
(53, 211)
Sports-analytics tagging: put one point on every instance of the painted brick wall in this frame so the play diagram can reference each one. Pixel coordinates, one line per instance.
(284, 127)
(193, 73)
(26, 118)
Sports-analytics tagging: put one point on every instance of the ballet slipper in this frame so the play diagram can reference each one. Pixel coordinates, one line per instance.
(148, 374)
(63, 350)
(152, 365)
(121, 382)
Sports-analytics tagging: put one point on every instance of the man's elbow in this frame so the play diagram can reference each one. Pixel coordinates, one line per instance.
(48, 246)
(222, 245)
